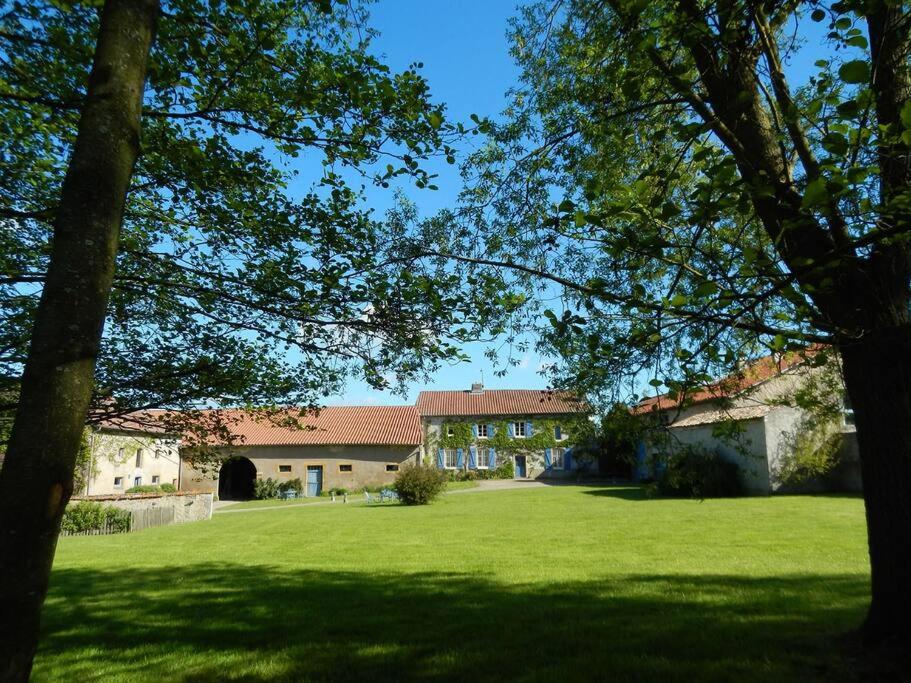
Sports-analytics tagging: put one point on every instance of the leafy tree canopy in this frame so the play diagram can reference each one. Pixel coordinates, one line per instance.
(239, 279)
(687, 204)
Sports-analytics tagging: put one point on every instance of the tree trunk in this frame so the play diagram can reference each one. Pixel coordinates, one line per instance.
(877, 371)
(37, 476)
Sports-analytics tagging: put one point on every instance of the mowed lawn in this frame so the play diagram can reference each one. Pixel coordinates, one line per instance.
(556, 583)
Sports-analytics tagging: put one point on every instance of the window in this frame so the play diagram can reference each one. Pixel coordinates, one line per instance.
(518, 428)
(558, 433)
(450, 431)
(118, 482)
(450, 459)
(483, 458)
(173, 482)
(482, 432)
(284, 468)
(556, 458)
(120, 454)
(345, 468)
(157, 453)
(155, 479)
(392, 468)
(138, 457)
(137, 481)
(847, 412)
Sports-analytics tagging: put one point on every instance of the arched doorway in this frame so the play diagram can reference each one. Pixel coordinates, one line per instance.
(235, 479)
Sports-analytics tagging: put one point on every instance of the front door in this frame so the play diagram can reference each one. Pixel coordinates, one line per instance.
(520, 467)
(314, 480)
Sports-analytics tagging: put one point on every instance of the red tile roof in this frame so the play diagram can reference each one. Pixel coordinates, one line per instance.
(498, 402)
(332, 426)
(754, 373)
(139, 421)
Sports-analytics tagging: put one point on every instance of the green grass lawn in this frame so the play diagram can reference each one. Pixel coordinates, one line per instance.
(557, 583)
(353, 497)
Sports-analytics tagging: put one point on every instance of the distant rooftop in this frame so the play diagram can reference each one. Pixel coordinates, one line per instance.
(479, 401)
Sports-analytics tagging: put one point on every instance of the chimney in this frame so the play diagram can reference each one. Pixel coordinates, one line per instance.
(477, 388)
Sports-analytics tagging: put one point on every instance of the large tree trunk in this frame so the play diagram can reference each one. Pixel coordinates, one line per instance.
(877, 370)
(37, 476)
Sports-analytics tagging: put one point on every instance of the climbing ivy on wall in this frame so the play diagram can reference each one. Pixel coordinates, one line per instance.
(542, 435)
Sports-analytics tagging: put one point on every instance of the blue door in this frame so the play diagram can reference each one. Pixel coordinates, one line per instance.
(314, 480)
(520, 467)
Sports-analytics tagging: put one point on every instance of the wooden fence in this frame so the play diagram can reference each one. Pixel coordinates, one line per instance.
(149, 517)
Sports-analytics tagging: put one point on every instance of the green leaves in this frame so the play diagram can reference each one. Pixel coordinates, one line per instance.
(816, 194)
(855, 71)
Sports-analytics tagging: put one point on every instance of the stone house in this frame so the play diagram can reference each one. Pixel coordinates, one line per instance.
(481, 429)
(749, 418)
(129, 451)
(347, 447)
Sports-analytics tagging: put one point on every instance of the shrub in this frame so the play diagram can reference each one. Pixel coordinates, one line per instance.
(336, 490)
(693, 473)
(417, 485)
(88, 516)
(265, 488)
(153, 488)
(291, 485)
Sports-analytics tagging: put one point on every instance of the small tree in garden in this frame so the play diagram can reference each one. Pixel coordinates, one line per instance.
(419, 485)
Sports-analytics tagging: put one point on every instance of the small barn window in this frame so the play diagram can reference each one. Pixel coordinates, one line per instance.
(482, 431)
(392, 468)
(345, 468)
(120, 454)
(138, 458)
(450, 431)
(157, 453)
(118, 482)
(284, 468)
(137, 481)
(519, 428)
(155, 479)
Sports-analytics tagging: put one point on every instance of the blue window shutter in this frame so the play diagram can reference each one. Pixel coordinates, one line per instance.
(568, 459)
(490, 431)
(474, 430)
(528, 429)
(547, 458)
(472, 458)
(491, 458)
(512, 429)
(439, 458)
(557, 433)
(459, 459)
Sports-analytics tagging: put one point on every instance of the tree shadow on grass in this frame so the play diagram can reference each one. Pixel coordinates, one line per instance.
(233, 622)
(623, 492)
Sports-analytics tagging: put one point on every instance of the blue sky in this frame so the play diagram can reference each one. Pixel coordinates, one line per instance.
(465, 53)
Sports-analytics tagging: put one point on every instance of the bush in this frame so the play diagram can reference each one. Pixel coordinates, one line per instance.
(336, 490)
(692, 473)
(418, 485)
(265, 488)
(291, 485)
(88, 516)
(152, 488)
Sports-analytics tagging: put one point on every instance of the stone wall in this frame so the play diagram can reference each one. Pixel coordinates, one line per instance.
(188, 507)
